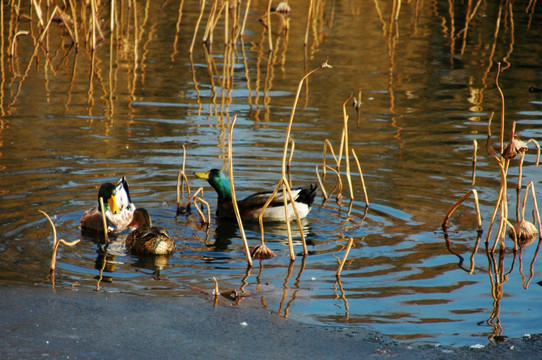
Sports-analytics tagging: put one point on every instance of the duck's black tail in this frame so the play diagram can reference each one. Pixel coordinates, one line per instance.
(307, 195)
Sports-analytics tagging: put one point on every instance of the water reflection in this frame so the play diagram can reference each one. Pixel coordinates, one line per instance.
(77, 111)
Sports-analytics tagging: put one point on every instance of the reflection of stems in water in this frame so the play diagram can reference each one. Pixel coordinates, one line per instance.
(531, 267)
(244, 280)
(286, 287)
(461, 260)
(342, 295)
(247, 76)
(511, 31)
(297, 282)
(178, 29)
(198, 98)
(100, 276)
(531, 6)
(309, 14)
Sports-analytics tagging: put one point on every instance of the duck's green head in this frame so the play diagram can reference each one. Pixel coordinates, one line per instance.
(219, 182)
(108, 192)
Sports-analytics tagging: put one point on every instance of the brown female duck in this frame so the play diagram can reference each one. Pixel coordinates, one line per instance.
(148, 239)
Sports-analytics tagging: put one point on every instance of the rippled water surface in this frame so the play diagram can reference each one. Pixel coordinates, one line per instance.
(72, 120)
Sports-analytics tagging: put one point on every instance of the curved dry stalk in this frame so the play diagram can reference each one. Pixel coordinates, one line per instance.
(260, 219)
(535, 205)
(203, 219)
(339, 192)
(456, 205)
(475, 145)
(233, 197)
(361, 178)
(269, 35)
(291, 153)
(327, 144)
(289, 129)
(182, 176)
(501, 200)
(216, 292)
(245, 19)
(347, 158)
(537, 148)
(502, 104)
(283, 181)
(209, 28)
(104, 220)
(56, 242)
(44, 32)
(501, 235)
(343, 261)
(197, 26)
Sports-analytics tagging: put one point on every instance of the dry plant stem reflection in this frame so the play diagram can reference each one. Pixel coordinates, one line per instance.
(286, 190)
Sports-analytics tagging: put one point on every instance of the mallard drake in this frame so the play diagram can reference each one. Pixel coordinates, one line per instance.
(148, 239)
(251, 206)
(118, 209)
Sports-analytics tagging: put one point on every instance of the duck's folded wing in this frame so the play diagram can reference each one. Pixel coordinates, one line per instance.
(258, 200)
(123, 194)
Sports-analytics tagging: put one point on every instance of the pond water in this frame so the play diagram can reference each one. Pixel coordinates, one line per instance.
(73, 120)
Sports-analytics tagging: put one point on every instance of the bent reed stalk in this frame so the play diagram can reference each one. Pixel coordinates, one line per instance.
(283, 182)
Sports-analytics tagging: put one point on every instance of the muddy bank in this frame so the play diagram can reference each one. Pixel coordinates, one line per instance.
(38, 322)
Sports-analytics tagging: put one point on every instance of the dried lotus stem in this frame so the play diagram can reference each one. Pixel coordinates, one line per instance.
(203, 218)
(324, 193)
(327, 144)
(197, 26)
(343, 261)
(102, 209)
(361, 178)
(456, 205)
(245, 19)
(56, 243)
(234, 198)
(475, 144)
(347, 158)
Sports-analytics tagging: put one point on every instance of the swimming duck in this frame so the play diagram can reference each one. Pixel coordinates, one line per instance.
(118, 209)
(148, 239)
(251, 206)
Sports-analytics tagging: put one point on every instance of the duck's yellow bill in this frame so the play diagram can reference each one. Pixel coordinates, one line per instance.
(202, 174)
(112, 201)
